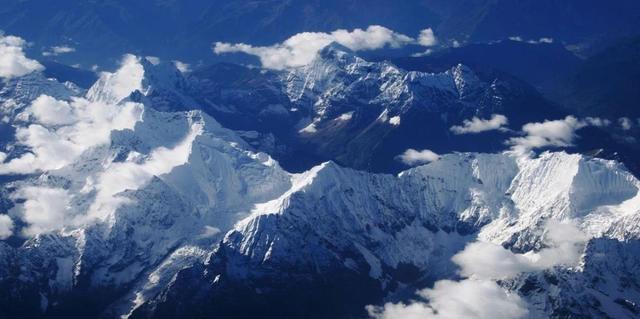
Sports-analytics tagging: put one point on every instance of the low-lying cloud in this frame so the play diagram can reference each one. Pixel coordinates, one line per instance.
(542, 40)
(44, 209)
(485, 260)
(448, 299)
(61, 131)
(55, 133)
(478, 125)
(6, 227)
(302, 48)
(555, 133)
(13, 61)
(482, 263)
(114, 87)
(412, 157)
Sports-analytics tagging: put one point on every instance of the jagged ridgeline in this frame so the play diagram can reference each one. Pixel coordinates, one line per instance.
(155, 210)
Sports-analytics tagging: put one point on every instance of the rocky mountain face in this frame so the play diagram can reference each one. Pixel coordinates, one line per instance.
(339, 105)
(152, 210)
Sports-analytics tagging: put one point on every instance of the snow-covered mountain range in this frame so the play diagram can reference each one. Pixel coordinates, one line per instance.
(125, 202)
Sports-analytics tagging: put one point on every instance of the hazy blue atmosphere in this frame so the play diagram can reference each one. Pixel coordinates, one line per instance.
(418, 159)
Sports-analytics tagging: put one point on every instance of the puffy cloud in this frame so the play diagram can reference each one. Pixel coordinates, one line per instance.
(64, 130)
(301, 48)
(58, 50)
(625, 123)
(597, 122)
(477, 125)
(557, 133)
(481, 263)
(413, 157)
(427, 38)
(484, 260)
(489, 261)
(49, 111)
(57, 132)
(44, 209)
(6, 227)
(13, 62)
(114, 87)
(472, 299)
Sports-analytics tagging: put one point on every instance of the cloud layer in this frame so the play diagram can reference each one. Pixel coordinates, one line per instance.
(478, 125)
(13, 62)
(301, 48)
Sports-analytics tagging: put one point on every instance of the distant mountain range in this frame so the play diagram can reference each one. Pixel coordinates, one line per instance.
(100, 31)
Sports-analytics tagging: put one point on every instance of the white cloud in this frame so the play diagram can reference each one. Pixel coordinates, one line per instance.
(490, 261)
(182, 67)
(301, 48)
(6, 227)
(556, 133)
(597, 122)
(55, 140)
(58, 50)
(477, 125)
(210, 231)
(484, 260)
(469, 299)
(49, 111)
(427, 38)
(479, 296)
(131, 174)
(545, 40)
(413, 157)
(395, 121)
(421, 54)
(153, 59)
(114, 87)
(625, 123)
(13, 62)
(44, 209)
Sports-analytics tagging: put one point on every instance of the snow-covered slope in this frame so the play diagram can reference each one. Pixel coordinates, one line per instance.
(362, 114)
(169, 214)
(343, 232)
